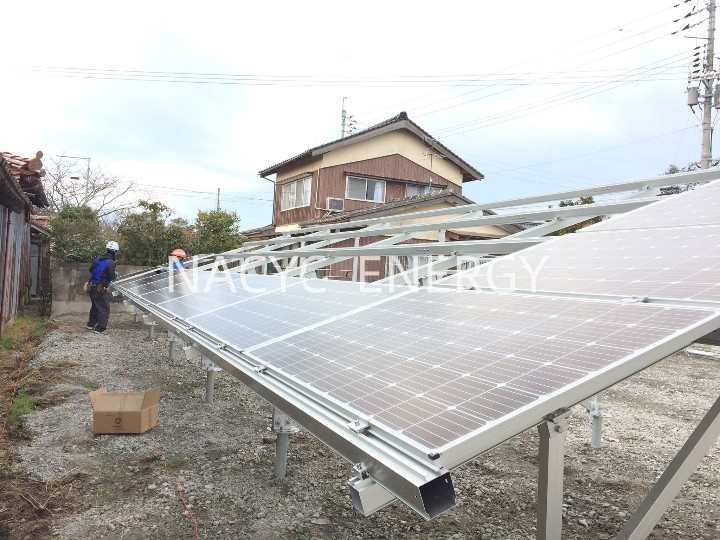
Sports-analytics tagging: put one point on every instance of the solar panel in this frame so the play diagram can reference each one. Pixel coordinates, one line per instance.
(462, 360)
(259, 318)
(243, 310)
(673, 263)
(697, 207)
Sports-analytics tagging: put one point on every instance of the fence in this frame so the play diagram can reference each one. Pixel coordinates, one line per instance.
(68, 280)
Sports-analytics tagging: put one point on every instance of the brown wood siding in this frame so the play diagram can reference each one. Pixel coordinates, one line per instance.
(396, 170)
(296, 215)
(374, 267)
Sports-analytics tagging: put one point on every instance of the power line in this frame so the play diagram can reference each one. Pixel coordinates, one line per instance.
(555, 63)
(647, 66)
(401, 81)
(234, 193)
(513, 113)
(207, 195)
(212, 198)
(594, 152)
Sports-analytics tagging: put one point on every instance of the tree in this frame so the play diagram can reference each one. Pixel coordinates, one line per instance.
(67, 183)
(577, 226)
(217, 231)
(674, 169)
(76, 234)
(147, 237)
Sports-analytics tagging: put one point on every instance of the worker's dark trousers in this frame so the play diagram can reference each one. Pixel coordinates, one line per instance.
(100, 309)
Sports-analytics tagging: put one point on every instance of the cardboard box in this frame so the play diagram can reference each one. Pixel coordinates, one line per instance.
(124, 412)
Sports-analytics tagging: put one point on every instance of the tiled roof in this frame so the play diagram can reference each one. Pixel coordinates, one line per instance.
(28, 174)
(401, 121)
(11, 196)
(259, 233)
(41, 224)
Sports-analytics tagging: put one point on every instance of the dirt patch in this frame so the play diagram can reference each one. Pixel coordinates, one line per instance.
(212, 465)
(29, 506)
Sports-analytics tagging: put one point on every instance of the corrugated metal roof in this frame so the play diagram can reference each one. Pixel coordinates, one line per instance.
(401, 121)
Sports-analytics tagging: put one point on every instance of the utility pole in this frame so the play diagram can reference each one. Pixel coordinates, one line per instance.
(708, 79)
(87, 174)
(342, 127)
(218, 199)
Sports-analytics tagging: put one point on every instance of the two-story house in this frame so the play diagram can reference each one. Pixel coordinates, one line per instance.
(392, 160)
(391, 169)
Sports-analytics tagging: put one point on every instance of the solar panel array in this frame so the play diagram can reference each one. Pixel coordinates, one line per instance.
(462, 359)
(434, 368)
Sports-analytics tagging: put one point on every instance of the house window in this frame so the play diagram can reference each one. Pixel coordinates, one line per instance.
(295, 194)
(365, 189)
(412, 189)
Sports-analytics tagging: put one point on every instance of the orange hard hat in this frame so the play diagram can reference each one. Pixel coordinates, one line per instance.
(178, 253)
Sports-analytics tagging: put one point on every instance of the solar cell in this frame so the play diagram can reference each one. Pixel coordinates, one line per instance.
(434, 378)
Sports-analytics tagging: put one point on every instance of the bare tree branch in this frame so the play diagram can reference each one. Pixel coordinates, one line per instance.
(67, 183)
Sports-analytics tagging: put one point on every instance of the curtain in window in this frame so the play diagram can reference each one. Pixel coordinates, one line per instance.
(285, 197)
(306, 186)
(292, 194)
(378, 194)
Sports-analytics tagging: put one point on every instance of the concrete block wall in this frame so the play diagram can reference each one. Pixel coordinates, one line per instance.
(68, 281)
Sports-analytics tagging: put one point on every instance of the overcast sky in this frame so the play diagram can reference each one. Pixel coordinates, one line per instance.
(539, 96)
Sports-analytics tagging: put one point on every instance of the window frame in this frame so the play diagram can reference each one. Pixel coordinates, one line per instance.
(426, 189)
(353, 177)
(292, 188)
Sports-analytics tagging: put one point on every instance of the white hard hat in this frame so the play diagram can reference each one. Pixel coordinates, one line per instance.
(112, 246)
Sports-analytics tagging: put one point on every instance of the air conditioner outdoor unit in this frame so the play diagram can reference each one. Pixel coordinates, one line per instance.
(335, 205)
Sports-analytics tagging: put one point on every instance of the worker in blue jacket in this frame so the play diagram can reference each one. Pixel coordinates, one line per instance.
(102, 272)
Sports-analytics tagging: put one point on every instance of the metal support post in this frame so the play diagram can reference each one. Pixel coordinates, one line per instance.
(212, 369)
(210, 387)
(355, 261)
(550, 478)
(677, 473)
(172, 338)
(136, 315)
(149, 321)
(283, 427)
(594, 408)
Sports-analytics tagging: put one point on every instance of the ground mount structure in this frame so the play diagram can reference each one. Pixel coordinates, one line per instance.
(419, 372)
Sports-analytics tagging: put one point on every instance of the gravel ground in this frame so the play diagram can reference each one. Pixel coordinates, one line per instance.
(219, 459)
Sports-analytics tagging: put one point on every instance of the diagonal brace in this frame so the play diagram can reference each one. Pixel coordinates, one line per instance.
(677, 473)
